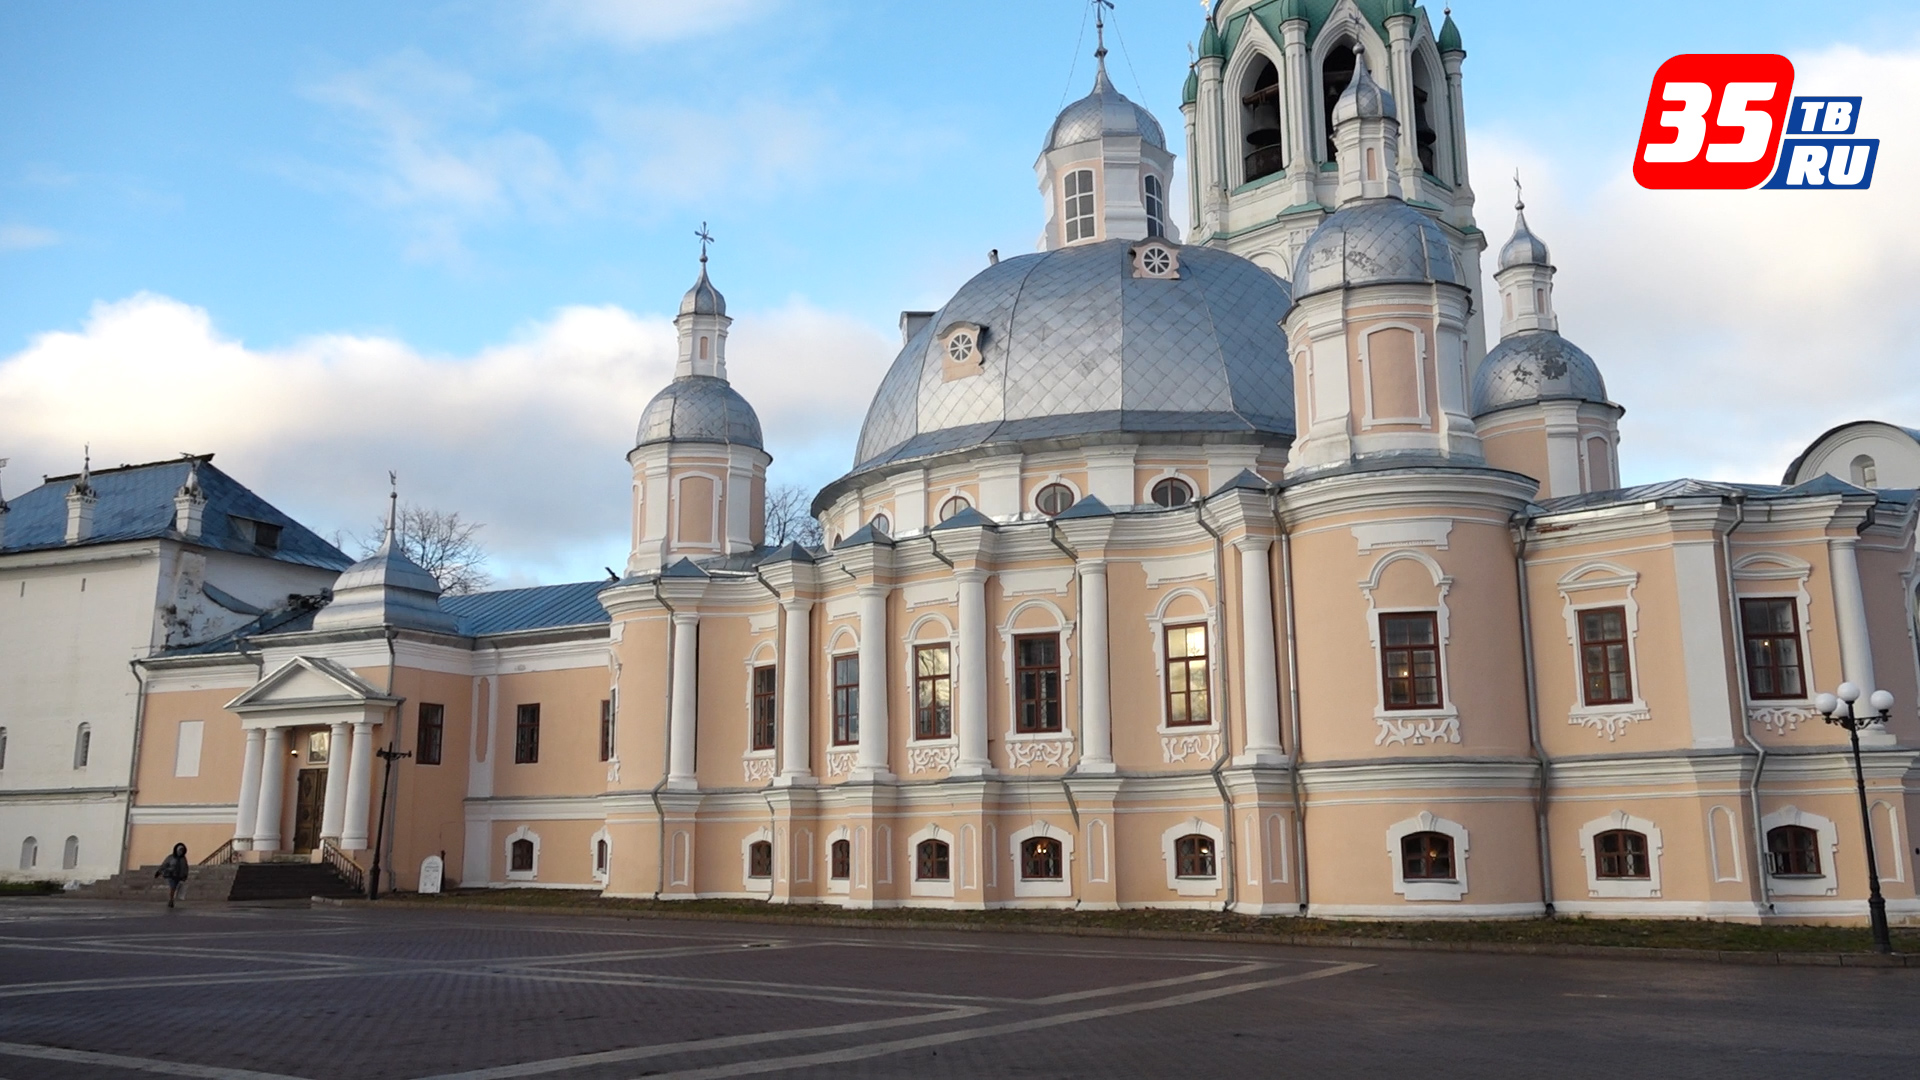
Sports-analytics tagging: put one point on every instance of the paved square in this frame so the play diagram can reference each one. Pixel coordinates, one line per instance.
(249, 993)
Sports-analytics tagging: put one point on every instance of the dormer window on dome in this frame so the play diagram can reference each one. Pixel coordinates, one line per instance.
(961, 346)
(1155, 259)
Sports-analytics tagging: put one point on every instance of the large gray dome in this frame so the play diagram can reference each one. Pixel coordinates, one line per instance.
(1374, 241)
(1076, 345)
(1106, 111)
(1536, 365)
(699, 408)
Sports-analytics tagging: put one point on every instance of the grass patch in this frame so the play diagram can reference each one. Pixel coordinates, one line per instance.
(1628, 933)
(29, 888)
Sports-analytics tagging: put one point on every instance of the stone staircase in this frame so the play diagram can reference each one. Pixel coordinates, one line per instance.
(284, 878)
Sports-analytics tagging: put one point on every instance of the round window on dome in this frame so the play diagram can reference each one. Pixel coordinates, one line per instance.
(1172, 492)
(882, 523)
(952, 507)
(1053, 499)
(960, 347)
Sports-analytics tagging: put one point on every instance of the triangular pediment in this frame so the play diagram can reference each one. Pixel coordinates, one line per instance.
(307, 681)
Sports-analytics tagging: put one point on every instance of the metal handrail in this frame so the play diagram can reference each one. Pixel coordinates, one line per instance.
(222, 854)
(351, 872)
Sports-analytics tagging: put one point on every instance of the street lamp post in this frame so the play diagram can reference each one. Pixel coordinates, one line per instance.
(1839, 709)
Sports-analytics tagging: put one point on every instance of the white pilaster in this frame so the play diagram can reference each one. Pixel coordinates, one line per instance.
(1096, 704)
(873, 684)
(1850, 611)
(249, 809)
(1703, 643)
(273, 771)
(1259, 667)
(1400, 46)
(683, 711)
(796, 711)
(970, 691)
(353, 830)
(333, 816)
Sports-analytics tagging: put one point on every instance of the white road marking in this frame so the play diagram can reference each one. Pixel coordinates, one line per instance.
(134, 1064)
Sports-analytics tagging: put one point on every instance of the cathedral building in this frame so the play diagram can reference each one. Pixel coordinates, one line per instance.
(1219, 563)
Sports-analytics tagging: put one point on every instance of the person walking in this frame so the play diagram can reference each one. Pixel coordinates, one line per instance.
(174, 870)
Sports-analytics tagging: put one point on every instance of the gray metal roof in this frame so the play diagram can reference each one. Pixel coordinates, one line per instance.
(1106, 111)
(543, 607)
(1523, 248)
(1819, 487)
(699, 408)
(1374, 241)
(1075, 345)
(136, 503)
(703, 298)
(1363, 98)
(1535, 365)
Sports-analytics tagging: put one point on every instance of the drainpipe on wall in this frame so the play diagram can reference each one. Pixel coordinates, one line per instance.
(1231, 864)
(1533, 721)
(659, 811)
(1293, 702)
(1760, 868)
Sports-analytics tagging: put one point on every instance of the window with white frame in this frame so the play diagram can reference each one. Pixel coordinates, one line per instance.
(1156, 199)
(1801, 849)
(82, 745)
(523, 855)
(1076, 195)
(1622, 856)
(1428, 854)
(1042, 858)
(1191, 850)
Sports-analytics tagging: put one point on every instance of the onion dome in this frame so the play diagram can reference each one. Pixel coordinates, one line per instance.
(386, 589)
(1536, 365)
(1523, 248)
(1105, 112)
(1211, 44)
(1075, 344)
(1449, 41)
(703, 298)
(700, 408)
(1363, 99)
(1190, 92)
(1374, 241)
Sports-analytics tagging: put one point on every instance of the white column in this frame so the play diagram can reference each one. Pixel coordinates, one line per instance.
(339, 746)
(1260, 680)
(249, 809)
(683, 711)
(796, 700)
(1457, 121)
(1096, 705)
(273, 771)
(873, 682)
(1850, 609)
(970, 689)
(353, 833)
(1210, 172)
(1400, 47)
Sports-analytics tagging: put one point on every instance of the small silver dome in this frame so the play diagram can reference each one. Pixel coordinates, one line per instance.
(1371, 241)
(1106, 111)
(1524, 248)
(1536, 365)
(1076, 346)
(700, 408)
(703, 298)
(1363, 98)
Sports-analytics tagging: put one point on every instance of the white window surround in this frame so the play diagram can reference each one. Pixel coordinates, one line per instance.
(1022, 887)
(838, 886)
(941, 754)
(1889, 857)
(1031, 511)
(1828, 883)
(186, 748)
(759, 766)
(1607, 721)
(1145, 497)
(1425, 821)
(522, 833)
(1025, 748)
(1399, 727)
(933, 887)
(1155, 259)
(1189, 886)
(1723, 828)
(1779, 715)
(1621, 888)
(1157, 622)
(1420, 367)
(714, 528)
(600, 874)
(758, 836)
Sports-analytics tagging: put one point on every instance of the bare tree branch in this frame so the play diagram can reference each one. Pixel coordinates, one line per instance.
(789, 516)
(442, 545)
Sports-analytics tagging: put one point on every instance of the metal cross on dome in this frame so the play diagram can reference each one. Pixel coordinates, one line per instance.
(705, 239)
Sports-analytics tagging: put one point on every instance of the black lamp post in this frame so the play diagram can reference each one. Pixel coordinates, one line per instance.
(390, 755)
(1839, 709)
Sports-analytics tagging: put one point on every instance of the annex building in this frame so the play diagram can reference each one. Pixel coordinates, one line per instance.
(1243, 557)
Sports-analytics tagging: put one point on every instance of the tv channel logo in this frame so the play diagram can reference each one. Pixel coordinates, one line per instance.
(1729, 121)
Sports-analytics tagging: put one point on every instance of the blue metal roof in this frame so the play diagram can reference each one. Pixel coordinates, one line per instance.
(505, 611)
(136, 503)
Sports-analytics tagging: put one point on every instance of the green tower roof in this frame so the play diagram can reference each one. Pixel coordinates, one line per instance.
(1449, 36)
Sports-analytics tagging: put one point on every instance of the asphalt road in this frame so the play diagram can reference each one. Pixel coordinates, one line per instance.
(113, 990)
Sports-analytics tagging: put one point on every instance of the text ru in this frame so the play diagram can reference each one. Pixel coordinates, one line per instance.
(1826, 163)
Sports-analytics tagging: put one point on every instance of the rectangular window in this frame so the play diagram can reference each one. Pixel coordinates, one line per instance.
(606, 729)
(1187, 699)
(431, 735)
(186, 751)
(1605, 678)
(1410, 660)
(763, 711)
(526, 735)
(1078, 193)
(846, 700)
(1771, 626)
(319, 747)
(1036, 679)
(932, 692)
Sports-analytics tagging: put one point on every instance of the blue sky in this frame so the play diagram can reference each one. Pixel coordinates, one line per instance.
(233, 206)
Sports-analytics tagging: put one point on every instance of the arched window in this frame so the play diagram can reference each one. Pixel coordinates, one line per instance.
(1187, 696)
(840, 860)
(82, 745)
(1794, 851)
(1426, 856)
(1053, 499)
(1040, 859)
(1156, 201)
(703, 347)
(932, 692)
(1865, 473)
(70, 854)
(599, 856)
(1193, 856)
(29, 853)
(1425, 138)
(760, 859)
(953, 506)
(1260, 122)
(931, 861)
(1621, 853)
(1335, 73)
(882, 523)
(522, 857)
(1077, 203)
(1171, 493)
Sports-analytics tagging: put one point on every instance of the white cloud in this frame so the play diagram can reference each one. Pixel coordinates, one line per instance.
(21, 237)
(639, 23)
(528, 436)
(1736, 326)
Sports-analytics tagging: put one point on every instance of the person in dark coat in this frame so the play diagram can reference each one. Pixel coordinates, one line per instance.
(174, 870)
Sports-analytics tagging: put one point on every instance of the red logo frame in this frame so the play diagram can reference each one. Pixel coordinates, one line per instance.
(1714, 121)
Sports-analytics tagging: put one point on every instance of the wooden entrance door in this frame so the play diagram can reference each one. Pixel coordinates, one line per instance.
(309, 804)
